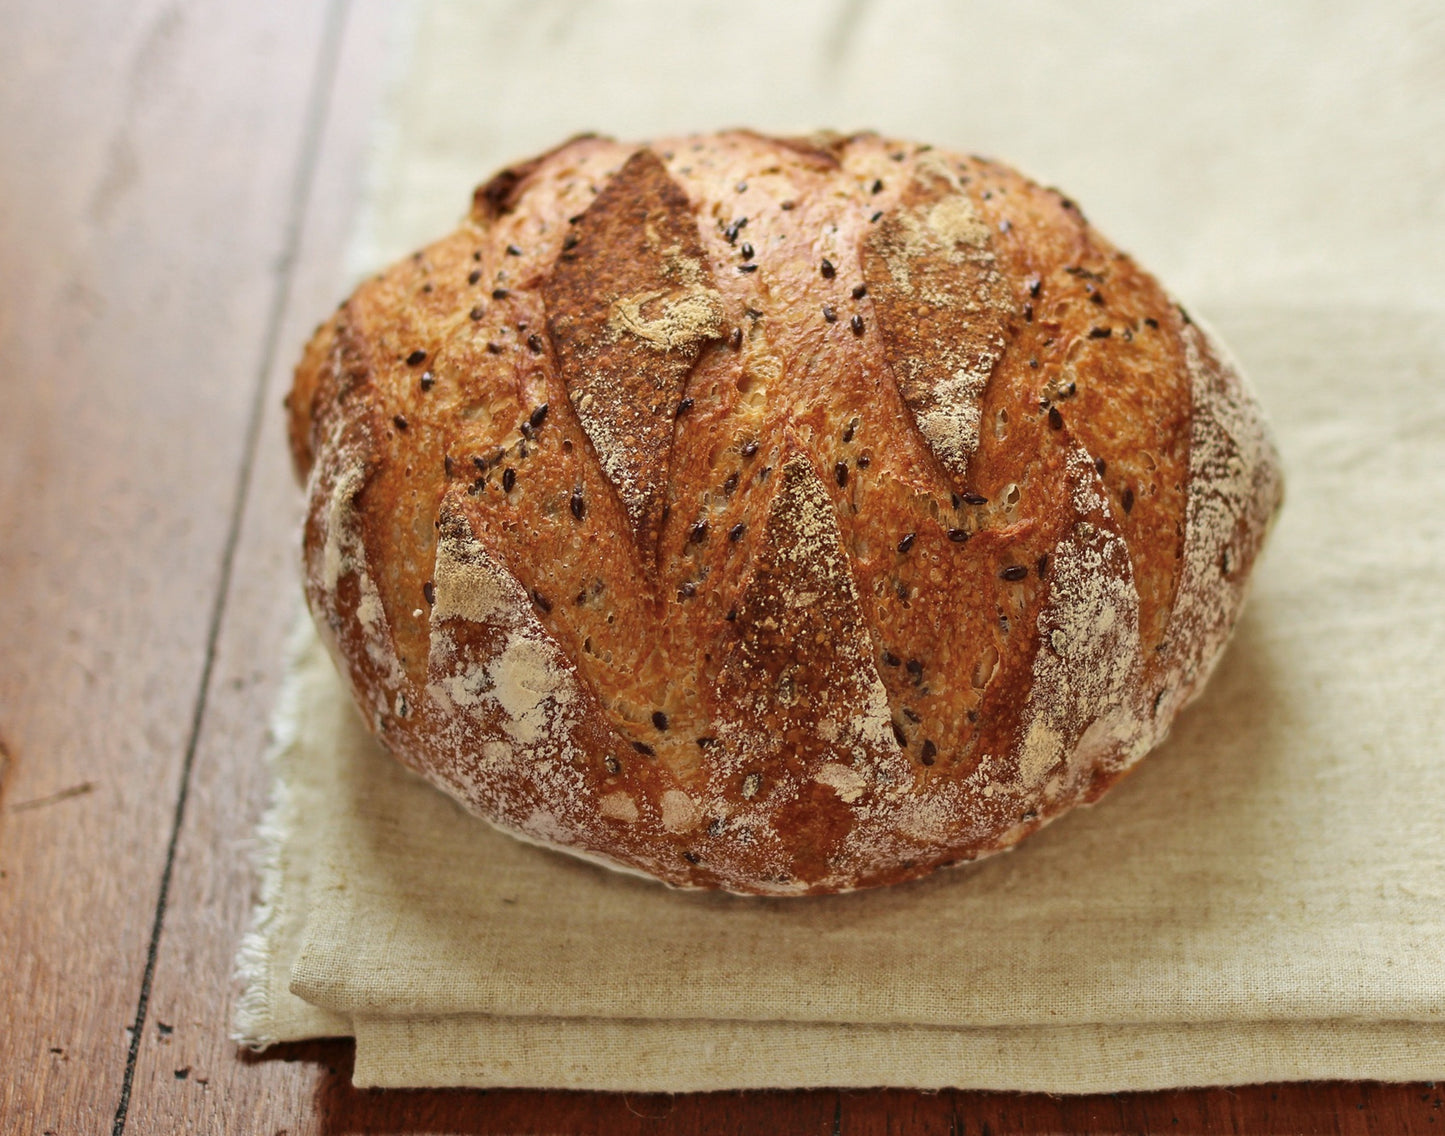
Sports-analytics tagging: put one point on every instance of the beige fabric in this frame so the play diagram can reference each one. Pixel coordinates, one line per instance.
(1263, 899)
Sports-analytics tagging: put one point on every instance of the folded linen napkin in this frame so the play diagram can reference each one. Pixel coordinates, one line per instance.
(1263, 899)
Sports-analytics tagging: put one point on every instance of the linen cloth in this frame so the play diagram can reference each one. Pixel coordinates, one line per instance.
(1263, 899)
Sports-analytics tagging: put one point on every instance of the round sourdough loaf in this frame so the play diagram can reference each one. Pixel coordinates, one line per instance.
(773, 514)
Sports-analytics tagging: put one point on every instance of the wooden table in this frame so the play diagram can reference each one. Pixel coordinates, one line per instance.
(177, 182)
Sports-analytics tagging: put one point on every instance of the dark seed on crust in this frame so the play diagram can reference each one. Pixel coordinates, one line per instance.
(975, 499)
(914, 667)
(747, 251)
(1056, 420)
(730, 484)
(659, 720)
(1034, 284)
(416, 358)
(747, 268)
(732, 615)
(1100, 332)
(1014, 573)
(899, 736)
(907, 542)
(891, 660)
(749, 449)
(735, 533)
(829, 315)
(541, 601)
(859, 291)
(864, 462)
(509, 479)
(430, 592)
(428, 380)
(474, 275)
(578, 503)
(399, 421)
(692, 857)
(706, 742)
(958, 536)
(500, 293)
(534, 343)
(539, 415)
(476, 314)
(1101, 465)
(494, 348)
(736, 338)
(612, 765)
(698, 533)
(1128, 500)
(687, 591)
(840, 474)
(930, 752)
(856, 323)
(1043, 565)
(684, 406)
(644, 749)
(513, 250)
(827, 269)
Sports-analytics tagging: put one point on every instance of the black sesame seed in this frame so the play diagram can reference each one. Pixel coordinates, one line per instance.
(684, 406)
(541, 601)
(864, 462)
(480, 462)
(840, 474)
(578, 503)
(1034, 284)
(477, 313)
(735, 533)
(692, 857)
(747, 268)
(538, 416)
(730, 484)
(659, 720)
(428, 380)
(571, 242)
(911, 715)
(1100, 332)
(494, 348)
(848, 430)
(474, 275)
(1128, 500)
(859, 291)
(1056, 420)
(1101, 465)
(749, 449)
(731, 232)
(415, 358)
(958, 536)
(400, 421)
(534, 343)
(1028, 313)
(706, 742)
(644, 749)
(877, 186)
(1183, 314)
(612, 765)
(901, 589)
(827, 269)
(900, 736)
(430, 592)
(787, 206)
(907, 542)
(975, 499)
(509, 479)
(447, 466)
(829, 314)
(732, 615)
(914, 667)
(930, 752)
(736, 339)
(747, 251)
(1151, 321)
(1014, 573)
(687, 591)
(1043, 565)
(873, 220)
(513, 250)
(500, 293)
(575, 218)
(891, 660)
(698, 533)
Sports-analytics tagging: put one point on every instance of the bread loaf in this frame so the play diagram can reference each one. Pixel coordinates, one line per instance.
(773, 514)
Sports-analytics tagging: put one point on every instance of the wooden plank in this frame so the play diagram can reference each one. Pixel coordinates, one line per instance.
(146, 162)
(189, 1076)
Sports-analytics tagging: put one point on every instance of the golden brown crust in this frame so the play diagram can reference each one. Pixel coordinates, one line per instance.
(782, 515)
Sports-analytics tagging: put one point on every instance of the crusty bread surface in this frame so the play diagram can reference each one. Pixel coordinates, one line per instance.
(779, 515)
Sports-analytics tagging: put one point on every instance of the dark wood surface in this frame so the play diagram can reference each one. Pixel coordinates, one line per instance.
(177, 184)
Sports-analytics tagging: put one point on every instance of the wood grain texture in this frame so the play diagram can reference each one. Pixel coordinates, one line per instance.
(145, 168)
(145, 209)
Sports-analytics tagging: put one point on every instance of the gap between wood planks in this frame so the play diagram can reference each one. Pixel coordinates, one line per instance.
(318, 102)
